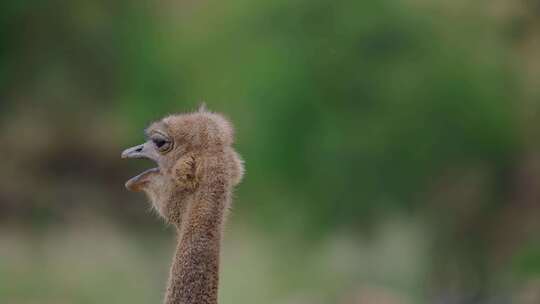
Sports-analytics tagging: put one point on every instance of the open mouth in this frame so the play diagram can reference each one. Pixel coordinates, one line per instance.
(137, 182)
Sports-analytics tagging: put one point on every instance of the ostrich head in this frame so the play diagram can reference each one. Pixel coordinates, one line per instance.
(183, 146)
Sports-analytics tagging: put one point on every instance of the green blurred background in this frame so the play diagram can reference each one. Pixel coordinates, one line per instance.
(391, 147)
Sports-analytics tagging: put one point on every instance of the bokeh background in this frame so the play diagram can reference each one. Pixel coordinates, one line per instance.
(391, 147)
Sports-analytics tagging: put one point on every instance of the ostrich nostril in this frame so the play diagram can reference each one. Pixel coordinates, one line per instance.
(134, 152)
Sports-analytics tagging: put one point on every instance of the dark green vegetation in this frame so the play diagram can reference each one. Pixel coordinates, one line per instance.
(349, 114)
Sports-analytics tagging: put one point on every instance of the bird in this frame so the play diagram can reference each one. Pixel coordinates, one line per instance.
(190, 188)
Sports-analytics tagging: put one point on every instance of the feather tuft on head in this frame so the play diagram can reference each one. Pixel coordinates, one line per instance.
(202, 107)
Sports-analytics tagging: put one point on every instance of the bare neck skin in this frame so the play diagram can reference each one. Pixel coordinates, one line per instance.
(195, 270)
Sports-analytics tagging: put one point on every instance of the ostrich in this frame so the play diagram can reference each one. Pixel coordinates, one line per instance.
(190, 188)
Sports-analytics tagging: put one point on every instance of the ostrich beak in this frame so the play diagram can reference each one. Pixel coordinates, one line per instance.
(135, 152)
(147, 151)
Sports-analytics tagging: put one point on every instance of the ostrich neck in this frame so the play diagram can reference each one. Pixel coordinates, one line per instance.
(195, 268)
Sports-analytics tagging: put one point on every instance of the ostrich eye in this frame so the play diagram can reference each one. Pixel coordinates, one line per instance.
(159, 142)
(162, 144)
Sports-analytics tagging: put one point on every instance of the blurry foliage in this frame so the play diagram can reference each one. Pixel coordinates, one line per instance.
(343, 109)
(528, 262)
